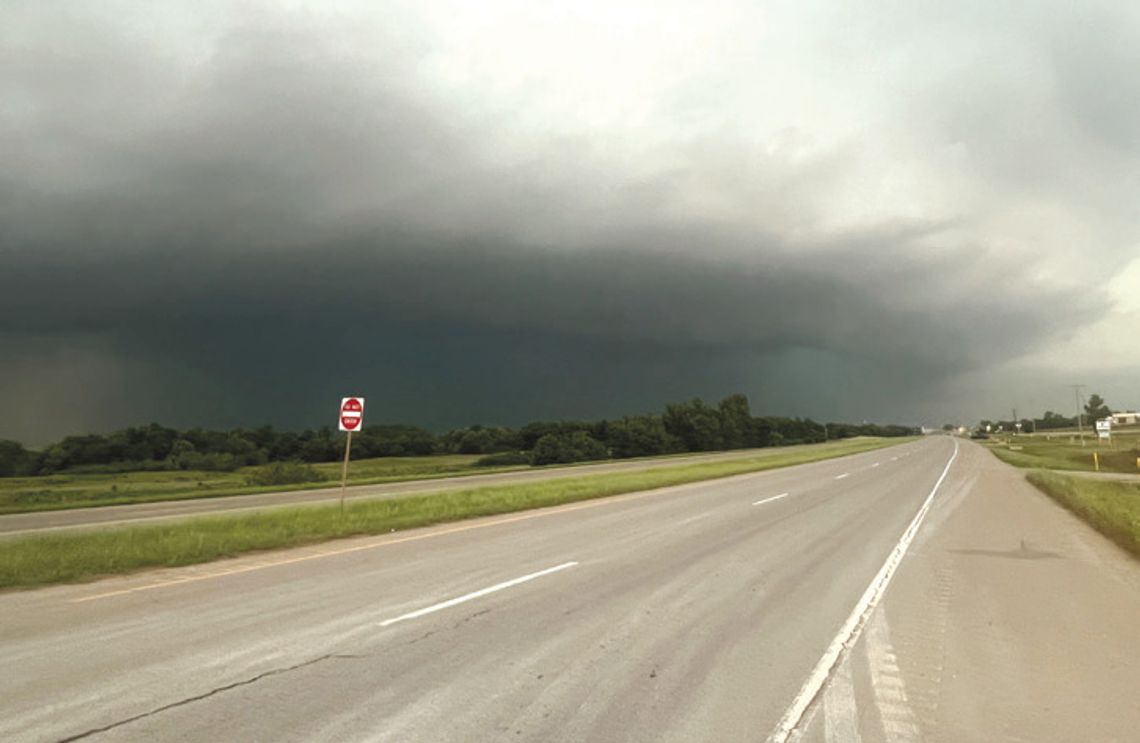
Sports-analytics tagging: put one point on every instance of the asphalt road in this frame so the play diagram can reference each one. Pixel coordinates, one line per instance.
(699, 612)
(102, 516)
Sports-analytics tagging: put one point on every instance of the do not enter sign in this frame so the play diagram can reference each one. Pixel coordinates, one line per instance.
(351, 413)
(351, 419)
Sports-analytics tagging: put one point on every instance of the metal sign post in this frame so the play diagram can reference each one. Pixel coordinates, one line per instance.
(351, 419)
(344, 470)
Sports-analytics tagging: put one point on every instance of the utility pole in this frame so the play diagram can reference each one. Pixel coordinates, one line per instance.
(1016, 420)
(1077, 397)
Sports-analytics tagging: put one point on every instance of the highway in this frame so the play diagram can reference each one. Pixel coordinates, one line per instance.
(920, 592)
(136, 513)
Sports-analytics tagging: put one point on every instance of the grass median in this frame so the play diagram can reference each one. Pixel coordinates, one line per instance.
(1111, 507)
(72, 557)
(86, 490)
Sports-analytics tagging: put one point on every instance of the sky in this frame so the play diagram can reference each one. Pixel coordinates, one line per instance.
(233, 213)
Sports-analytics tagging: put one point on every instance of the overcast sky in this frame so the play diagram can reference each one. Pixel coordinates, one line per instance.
(221, 214)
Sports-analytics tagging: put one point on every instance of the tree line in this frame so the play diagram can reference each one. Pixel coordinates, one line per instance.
(691, 426)
(1095, 409)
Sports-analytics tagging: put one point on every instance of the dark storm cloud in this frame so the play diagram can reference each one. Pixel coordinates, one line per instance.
(881, 307)
(297, 210)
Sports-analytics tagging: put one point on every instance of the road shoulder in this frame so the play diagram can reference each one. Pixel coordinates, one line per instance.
(1011, 619)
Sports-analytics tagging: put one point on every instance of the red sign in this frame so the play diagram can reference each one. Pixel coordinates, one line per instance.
(351, 413)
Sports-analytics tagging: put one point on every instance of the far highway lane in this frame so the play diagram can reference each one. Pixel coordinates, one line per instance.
(103, 516)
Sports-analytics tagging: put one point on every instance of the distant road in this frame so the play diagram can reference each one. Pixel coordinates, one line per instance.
(23, 523)
(704, 612)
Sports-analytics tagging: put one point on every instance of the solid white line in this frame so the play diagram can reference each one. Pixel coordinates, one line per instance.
(476, 594)
(849, 632)
(845, 474)
(769, 500)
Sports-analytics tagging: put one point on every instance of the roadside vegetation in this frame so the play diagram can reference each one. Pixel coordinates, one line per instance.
(683, 427)
(1064, 452)
(55, 558)
(1095, 408)
(1057, 442)
(79, 490)
(153, 462)
(1111, 507)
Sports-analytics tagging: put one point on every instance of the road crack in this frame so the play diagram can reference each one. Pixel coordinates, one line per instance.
(208, 694)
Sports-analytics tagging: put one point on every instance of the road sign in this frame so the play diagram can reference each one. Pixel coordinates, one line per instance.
(1104, 428)
(351, 413)
(351, 419)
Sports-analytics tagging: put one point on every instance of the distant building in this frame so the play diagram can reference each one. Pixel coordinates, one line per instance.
(1125, 419)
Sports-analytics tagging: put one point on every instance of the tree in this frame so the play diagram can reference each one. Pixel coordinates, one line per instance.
(1055, 420)
(285, 446)
(388, 440)
(640, 436)
(529, 434)
(695, 424)
(482, 440)
(685, 426)
(794, 431)
(760, 431)
(182, 455)
(1095, 409)
(15, 460)
(564, 448)
(319, 446)
(735, 421)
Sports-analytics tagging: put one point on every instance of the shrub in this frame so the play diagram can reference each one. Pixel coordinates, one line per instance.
(284, 473)
(640, 436)
(15, 460)
(502, 460)
(564, 448)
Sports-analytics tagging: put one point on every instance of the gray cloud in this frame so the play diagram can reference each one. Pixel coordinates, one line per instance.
(201, 208)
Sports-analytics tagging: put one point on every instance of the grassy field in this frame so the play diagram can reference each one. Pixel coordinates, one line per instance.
(1064, 452)
(23, 494)
(85, 490)
(1113, 508)
(37, 560)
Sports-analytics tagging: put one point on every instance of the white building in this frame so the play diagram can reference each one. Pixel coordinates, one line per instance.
(1125, 419)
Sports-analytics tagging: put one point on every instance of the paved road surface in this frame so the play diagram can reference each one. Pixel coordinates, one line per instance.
(697, 612)
(101, 516)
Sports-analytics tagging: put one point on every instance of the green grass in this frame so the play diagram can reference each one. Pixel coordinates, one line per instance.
(55, 558)
(1061, 453)
(53, 492)
(1111, 507)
